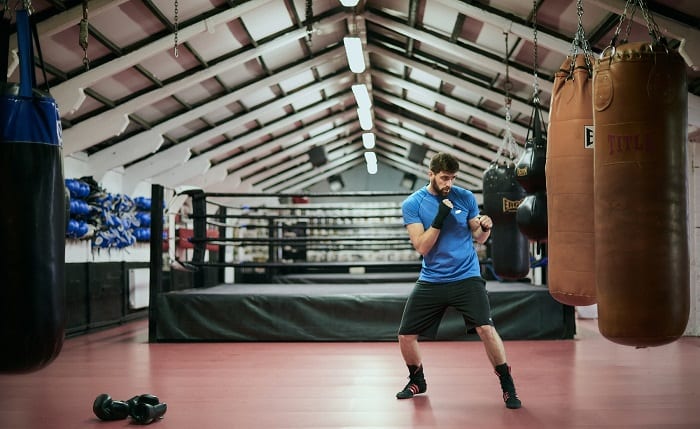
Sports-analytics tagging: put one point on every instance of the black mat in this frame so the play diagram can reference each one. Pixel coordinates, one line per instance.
(342, 312)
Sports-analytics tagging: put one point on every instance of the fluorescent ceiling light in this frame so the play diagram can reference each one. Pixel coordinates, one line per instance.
(362, 96)
(368, 140)
(353, 50)
(371, 158)
(365, 117)
(372, 168)
(349, 3)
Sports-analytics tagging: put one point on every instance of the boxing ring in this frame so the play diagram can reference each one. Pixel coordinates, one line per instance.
(346, 299)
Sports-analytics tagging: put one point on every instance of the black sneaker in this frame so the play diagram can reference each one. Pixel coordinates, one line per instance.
(413, 388)
(511, 399)
(508, 387)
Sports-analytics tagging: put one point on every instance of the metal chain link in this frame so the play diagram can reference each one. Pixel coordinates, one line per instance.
(28, 6)
(613, 41)
(508, 144)
(83, 35)
(309, 20)
(580, 42)
(628, 29)
(652, 27)
(176, 24)
(536, 87)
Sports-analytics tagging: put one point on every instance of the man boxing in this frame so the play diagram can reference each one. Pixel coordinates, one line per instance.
(442, 221)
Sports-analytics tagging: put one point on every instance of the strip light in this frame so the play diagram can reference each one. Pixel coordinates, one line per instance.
(349, 3)
(362, 96)
(368, 140)
(353, 50)
(365, 116)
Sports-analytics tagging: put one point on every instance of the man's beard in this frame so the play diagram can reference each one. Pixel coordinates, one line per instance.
(442, 192)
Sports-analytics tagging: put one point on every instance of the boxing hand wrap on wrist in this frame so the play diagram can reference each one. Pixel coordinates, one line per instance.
(442, 213)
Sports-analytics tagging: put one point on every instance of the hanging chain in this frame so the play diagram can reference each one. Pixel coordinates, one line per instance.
(613, 41)
(652, 27)
(580, 41)
(309, 20)
(28, 6)
(628, 29)
(83, 35)
(536, 87)
(508, 144)
(177, 25)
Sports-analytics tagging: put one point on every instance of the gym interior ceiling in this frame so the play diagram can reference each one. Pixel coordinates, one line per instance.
(232, 96)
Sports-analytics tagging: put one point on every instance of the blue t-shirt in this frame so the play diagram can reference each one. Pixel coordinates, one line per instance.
(453, 256)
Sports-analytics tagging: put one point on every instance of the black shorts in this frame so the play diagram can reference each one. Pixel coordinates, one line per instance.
(428, 301)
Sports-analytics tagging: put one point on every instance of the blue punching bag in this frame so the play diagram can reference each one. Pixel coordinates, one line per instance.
(33, 223)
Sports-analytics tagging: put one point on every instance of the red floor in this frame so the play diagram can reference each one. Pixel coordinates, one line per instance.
(588, 382)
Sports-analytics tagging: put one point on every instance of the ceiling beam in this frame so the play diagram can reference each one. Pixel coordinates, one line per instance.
(452, 103)
(192, 166)
(149, 141)
(455, 124)
(70, 94)
(293, 168)
(113, 122)
(440, 139)
(517, 106)
(455, 50)
(350, 158)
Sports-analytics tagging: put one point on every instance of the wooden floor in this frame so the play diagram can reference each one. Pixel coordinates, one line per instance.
(588, 382)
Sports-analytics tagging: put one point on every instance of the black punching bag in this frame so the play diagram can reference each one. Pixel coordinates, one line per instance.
(530, 168)
(531, 217)
(509, 247)
(33, 223)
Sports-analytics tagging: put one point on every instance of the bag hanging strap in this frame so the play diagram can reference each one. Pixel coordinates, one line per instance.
(26, 54)
(27, 36)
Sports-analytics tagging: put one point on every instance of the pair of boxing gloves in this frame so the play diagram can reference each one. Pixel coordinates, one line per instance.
(144, 409)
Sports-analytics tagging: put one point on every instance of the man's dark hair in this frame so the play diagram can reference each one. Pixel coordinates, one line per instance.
(444, 162)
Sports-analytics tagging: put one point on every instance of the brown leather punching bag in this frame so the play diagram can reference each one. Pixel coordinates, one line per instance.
(569, 176)
(640, 100)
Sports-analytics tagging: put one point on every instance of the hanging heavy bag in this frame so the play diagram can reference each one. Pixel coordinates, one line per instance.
(640, 100)
(509, 247)
(569, 178)
(33, 224)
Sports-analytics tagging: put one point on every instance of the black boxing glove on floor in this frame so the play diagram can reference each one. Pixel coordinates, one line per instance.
(441, 215)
